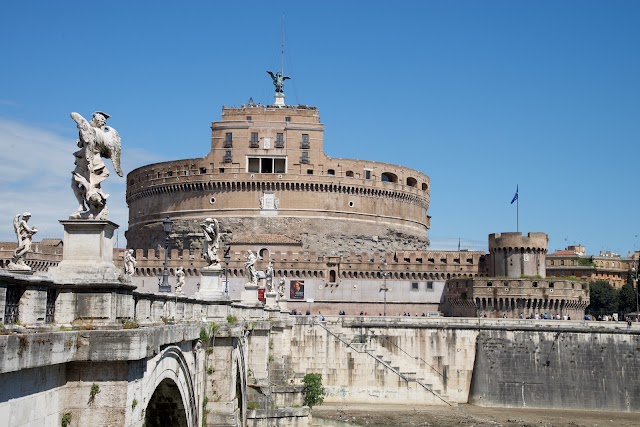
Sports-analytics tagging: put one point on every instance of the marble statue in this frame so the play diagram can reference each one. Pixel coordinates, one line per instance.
(211, 229)
(278, 80)
(281, 288)
(129, 263)
(249, 267)
(179, 280)
(24, 233)
(96, 141)
(269, 276)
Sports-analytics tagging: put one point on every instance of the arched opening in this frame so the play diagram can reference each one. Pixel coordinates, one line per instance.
(165, 407)
(412, 182)
(349, 174)
(389, 177)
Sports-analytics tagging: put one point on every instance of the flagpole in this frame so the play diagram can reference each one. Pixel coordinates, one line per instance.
(518, 214)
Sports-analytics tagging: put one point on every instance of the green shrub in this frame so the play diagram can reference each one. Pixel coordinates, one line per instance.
(66, 419)
(232, 319)
(313, 391)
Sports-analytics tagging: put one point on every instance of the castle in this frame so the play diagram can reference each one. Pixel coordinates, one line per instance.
(350, 234)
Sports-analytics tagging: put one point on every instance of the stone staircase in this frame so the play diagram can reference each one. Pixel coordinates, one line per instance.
(411, 369)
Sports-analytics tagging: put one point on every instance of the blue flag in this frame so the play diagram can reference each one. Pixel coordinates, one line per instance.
(516, 196)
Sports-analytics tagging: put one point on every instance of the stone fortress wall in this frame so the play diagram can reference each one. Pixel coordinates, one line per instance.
(267, 173)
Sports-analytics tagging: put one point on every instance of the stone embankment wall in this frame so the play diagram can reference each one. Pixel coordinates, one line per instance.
(497, 363)
(589, 368)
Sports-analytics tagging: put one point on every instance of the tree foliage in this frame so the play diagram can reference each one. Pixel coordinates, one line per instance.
(604, 298)
(627, 295)
(313, 391)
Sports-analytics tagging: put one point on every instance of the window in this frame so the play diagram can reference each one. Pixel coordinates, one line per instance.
(287, 119)
(367, 174)
(228, 140)
(266, 164)
(254, 143)
(305, 141)
(249, 118)
(412, 182)
(221, 170)
(203, 171)
(170, 173)
(304, 158)
(489, 283)
(349, 174)
(331, 172)
(389, 177)
(280, 140)
(309, 171)
(429, 286)
(227, 156)
(415, 286)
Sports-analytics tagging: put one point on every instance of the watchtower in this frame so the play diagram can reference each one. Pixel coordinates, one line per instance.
(515, 255)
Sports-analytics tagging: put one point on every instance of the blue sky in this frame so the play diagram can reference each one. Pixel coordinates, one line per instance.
(480, 95)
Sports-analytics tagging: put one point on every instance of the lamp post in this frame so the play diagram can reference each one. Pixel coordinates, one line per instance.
(227, 258)
(384, 287)
(167, 224)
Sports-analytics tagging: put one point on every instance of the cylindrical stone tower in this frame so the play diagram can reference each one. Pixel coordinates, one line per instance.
(515, 255)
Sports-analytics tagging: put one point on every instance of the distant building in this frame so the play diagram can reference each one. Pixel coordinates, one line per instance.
(573, 261)
(516, 286)
(45, 254)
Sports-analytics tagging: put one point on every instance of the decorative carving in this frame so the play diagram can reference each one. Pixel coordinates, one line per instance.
(24, 233)
(211, 229)
(96, 140)
(179, 280)
(249, 267)
(129, 262)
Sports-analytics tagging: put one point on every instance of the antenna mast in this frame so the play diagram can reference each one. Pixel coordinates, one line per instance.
(282, 69)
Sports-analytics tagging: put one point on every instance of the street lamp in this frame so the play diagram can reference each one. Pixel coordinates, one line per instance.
(167, 224)
(384, 287)
(227, 258)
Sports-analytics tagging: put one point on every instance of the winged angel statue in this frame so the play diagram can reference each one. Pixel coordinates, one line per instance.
(278, 80)
(96, 141)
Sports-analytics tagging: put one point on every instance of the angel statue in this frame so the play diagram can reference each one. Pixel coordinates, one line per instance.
(129, 263)
(278, 80)
(24, 233)
(211, 229)
(96, 140)
(249, 267)
(179, 280)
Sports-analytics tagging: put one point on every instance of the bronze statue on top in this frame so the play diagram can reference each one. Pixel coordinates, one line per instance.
(278, 80)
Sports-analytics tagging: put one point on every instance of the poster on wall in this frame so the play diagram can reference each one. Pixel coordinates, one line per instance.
(297, 289)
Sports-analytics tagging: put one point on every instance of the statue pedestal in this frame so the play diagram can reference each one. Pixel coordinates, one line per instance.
(19, 267)
(279, 100)
(87, 255)
(249, 297)
(282, 303)
(271, 304)
(211, 284)
(100, 293)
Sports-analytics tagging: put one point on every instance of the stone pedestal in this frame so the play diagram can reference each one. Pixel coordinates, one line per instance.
(211, 284)
(87, 256)
(271, 304)
(279, 100)
(282, 303)
(249, 297)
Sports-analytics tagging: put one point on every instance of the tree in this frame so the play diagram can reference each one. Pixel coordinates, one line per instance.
(313, 391)
(627, 295)
(604, 298)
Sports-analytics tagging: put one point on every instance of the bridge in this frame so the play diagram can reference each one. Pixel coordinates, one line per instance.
(82, 346)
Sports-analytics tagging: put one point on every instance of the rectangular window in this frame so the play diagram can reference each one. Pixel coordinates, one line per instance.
(429, 286)
(227, 156)
(203, 171)
(287, 119)
(228, 140)
(249, 118)
(304, 158)
(254, 142)
(415, 286)
(280, 140)
(305, 141)
(309, 171)
(367, 174)
(266, 165)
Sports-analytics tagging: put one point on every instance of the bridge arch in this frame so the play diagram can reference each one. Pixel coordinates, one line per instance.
(170, 390)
